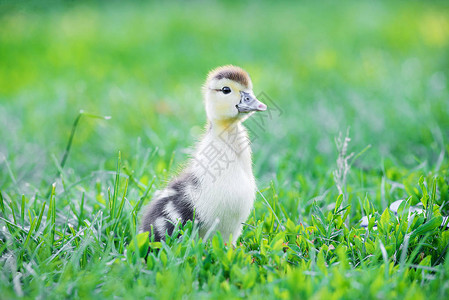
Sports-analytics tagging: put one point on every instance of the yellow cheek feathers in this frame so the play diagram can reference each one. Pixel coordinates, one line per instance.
(222, 108)
(226, 105)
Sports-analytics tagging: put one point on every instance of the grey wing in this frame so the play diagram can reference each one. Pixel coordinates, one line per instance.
(170, 206)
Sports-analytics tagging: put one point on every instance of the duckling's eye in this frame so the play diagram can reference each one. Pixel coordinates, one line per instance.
(226, 90)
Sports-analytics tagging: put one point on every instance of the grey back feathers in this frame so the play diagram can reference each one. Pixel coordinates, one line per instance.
(170, 206)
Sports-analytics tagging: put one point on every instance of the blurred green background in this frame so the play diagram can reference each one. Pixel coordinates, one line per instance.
(379, 68)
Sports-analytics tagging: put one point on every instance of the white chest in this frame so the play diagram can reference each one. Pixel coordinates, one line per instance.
(228, 188)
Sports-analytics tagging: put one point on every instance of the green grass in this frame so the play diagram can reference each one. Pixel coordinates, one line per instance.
(69, 230)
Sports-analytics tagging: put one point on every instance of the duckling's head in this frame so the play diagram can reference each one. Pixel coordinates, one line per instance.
(229, 96)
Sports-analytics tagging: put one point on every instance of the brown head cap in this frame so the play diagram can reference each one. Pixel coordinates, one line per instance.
(232, 73)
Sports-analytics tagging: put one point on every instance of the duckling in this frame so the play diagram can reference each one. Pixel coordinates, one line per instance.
(217, 188)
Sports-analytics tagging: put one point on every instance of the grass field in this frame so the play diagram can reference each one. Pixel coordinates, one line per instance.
(377, 71)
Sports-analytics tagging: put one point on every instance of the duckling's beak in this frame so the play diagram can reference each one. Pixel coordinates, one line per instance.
(249, 103)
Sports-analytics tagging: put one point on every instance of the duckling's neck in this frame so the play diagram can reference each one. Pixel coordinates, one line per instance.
(232, 133)
(219, 127)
